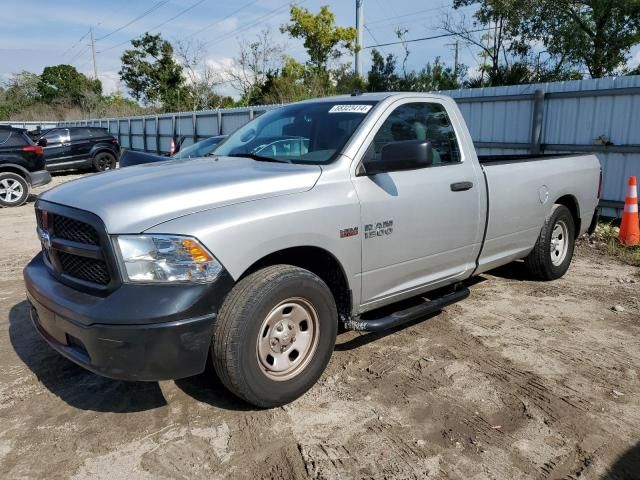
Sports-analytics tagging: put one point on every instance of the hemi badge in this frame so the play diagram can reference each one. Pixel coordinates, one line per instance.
(349, 232)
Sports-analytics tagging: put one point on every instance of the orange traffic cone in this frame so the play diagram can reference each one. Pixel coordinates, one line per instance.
(630, 228)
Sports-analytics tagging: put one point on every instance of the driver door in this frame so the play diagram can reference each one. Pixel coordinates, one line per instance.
(419, 229)
(58, 146)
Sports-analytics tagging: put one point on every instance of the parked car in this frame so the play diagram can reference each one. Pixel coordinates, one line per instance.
(365, 212)
(22, 166)
(202, 148)
(80, 147)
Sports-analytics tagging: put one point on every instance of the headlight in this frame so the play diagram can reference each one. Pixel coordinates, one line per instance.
(166, 258)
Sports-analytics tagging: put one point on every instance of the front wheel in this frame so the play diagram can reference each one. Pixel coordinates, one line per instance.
(552, 254)
(274, 335)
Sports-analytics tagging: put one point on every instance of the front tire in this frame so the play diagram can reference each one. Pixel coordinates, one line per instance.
(14, 189)
(104, 161)
(274, 335)
(552, 254)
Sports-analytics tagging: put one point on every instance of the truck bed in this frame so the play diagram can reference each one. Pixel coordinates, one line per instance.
(520, 189)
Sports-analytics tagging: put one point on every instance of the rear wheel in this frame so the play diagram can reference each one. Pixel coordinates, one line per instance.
(104, 161)
(14, 189)
(274, 335)
(552, 254)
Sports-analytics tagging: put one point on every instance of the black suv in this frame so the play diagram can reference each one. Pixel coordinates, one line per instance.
(22, 166)
(80, 147)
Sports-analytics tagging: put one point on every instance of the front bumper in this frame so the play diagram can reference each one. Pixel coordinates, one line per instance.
(41, 177)
(137, 332)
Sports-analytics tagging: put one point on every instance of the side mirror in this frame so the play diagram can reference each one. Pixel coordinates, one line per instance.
(404, 155)
(42, 142)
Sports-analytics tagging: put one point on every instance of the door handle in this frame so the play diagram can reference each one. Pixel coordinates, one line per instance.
(461, 186)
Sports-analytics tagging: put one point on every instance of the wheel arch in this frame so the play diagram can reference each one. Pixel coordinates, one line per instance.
(572, 204)
(319, 261)
(13, 168)
(102, 149)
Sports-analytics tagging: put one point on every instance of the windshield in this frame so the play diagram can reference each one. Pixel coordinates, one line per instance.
(300, 133)
(200, 149)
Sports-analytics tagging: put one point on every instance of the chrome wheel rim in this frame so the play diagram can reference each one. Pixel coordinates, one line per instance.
(559, 243)
(287, 339)
(11, 190)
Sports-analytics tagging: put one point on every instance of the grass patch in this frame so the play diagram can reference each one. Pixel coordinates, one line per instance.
(606, 239)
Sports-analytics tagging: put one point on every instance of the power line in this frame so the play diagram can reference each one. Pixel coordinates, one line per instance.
(444, 35)
(156, 27)
(389, 19)
(222, 19)
(271, 13)
(75, 44)
(150, 10)
(417, 12)
(178, 15)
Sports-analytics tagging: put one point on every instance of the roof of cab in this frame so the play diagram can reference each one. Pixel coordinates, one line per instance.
(373, 96)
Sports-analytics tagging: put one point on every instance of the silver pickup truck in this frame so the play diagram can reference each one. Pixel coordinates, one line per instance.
(310, 218)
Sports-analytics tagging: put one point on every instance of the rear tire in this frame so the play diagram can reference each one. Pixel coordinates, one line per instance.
(14, 189)
(274, 335)
(104, 161)
(551, 256)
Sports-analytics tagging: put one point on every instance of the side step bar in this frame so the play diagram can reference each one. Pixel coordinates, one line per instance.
(408, 315)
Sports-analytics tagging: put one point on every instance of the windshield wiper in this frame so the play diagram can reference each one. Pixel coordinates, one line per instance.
(259, 158)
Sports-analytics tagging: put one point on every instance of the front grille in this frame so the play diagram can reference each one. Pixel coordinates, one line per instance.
(87, 269)
(74, 230)
(72, 261)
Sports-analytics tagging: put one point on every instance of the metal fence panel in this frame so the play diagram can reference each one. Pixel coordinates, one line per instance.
(547, 117)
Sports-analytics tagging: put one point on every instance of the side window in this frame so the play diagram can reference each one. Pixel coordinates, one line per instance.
(98, 132)
(80, 134)
(419, 121)
(57, 136)
(15, 139)
(5, 133)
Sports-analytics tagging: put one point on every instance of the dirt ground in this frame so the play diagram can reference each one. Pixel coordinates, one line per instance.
(521, 380)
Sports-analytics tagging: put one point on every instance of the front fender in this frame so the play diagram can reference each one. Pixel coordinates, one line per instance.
(242, 234)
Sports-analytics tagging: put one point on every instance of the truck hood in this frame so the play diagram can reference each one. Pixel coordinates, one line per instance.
(137, 198)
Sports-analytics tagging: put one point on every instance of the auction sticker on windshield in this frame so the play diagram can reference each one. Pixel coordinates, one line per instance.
(350, 108)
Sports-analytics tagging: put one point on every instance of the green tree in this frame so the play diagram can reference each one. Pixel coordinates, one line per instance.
(382, 76)
(598, 34)
(322, 38)
(152, 75)
(348, 81)
(65, 85)
(19, 92)
(593, 34)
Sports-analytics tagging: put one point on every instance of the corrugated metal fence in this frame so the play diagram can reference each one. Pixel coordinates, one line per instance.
(600, 116)
(153, 133)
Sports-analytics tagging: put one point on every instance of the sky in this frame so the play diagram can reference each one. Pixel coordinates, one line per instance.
(35, 34)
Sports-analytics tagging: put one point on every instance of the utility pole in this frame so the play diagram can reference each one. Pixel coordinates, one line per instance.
(360, 38)
(456, 56)
(93, 52)
(455, 65)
